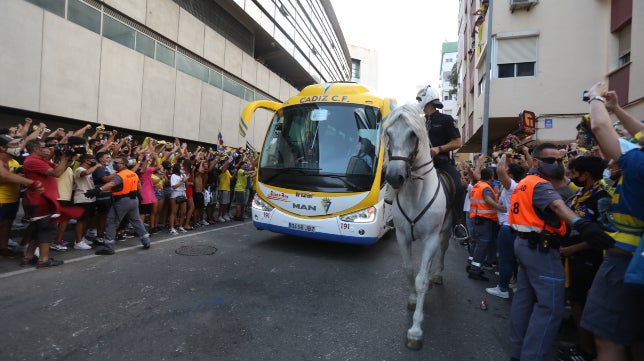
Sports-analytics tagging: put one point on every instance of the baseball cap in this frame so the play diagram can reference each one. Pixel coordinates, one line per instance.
(6, 139)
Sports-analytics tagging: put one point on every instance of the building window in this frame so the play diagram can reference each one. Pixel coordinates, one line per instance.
(84, 15)
(215, 79)
(165, 55)
(192, 67)
(55, 6)
(516, 57)
(119, 32)
(145, 45)
(624, 45)
(355, 70)
(233, 87)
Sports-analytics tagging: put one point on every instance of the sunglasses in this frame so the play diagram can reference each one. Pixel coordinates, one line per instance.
(550, 160)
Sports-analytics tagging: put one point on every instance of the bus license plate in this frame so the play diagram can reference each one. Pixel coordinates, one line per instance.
(301, 227)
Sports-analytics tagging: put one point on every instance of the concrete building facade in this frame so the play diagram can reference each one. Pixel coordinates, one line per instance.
(364, 66)
(542, 58)
(175, 68)
(449, 57)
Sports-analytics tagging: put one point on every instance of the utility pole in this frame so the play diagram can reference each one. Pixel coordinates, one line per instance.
(488, 79)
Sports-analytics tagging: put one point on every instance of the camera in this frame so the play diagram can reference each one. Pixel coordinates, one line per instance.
(74, 145)
(584, 96)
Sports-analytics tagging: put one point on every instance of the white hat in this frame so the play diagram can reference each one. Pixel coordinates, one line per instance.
(429, 95)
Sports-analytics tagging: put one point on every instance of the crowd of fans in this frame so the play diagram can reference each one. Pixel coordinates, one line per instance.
(64, 177)
(520, 203)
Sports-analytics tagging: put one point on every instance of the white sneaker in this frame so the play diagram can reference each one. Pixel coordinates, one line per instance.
(221, 219)
(82, 245)
(99, 240)
(37, 252)
(496, 291)
(173, 231)
(204, 222)
(182, 230)
(227, 218)
(57, 247)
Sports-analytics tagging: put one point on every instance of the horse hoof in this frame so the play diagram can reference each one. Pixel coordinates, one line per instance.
(414, 344)
(411, 306)
(437, 280)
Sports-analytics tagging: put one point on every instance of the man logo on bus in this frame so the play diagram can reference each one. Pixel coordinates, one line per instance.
(326, 204)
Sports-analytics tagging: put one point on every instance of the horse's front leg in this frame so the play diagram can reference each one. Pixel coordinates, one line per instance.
(408, 268)
(415, 333)
(437, 270)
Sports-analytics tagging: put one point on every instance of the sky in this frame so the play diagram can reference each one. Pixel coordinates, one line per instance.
(408, 35)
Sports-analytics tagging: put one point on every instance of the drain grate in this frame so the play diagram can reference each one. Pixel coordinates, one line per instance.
(196, 250)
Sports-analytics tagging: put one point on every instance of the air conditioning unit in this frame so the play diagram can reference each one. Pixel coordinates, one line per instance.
(522, 4)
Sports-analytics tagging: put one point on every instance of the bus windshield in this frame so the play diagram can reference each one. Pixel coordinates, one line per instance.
(322, 147)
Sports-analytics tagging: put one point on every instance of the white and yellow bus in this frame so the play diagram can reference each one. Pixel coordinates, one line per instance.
(320, 171)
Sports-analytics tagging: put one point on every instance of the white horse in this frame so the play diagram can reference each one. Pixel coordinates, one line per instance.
(420, 210)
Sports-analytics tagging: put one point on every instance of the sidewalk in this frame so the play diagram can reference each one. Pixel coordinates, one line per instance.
(18, 228)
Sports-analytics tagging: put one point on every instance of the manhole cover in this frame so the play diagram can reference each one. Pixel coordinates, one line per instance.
(196, 250)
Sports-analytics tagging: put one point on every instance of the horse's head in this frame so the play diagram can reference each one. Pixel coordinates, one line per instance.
(406, 141)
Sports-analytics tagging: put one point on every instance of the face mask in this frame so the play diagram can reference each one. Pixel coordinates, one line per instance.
(606, 175)
(577, 182)
(553, 171)
(13, 152)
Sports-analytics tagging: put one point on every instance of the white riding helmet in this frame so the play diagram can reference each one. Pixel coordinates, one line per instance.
(429, 95)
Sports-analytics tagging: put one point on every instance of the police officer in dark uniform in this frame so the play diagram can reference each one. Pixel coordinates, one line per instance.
(445, 138)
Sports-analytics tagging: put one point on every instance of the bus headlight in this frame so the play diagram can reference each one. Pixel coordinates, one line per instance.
(363, 216)
(259, 204)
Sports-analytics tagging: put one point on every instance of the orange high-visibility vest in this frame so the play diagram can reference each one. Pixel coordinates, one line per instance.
(522, 216)
(478, 206)
(130, 182)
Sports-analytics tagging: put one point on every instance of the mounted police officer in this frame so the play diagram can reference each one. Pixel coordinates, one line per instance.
(444, 138)
(124, 187)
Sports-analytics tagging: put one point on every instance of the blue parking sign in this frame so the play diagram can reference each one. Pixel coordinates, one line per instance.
(548, 123)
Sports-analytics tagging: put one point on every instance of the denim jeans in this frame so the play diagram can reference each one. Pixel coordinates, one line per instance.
(507, 263)
(484, 234)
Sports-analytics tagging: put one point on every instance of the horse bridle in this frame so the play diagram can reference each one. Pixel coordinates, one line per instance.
(410, 161)
(410, 168)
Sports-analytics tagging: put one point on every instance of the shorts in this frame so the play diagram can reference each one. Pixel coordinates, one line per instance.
(145, 208)
(614, 310)
(224, 197)
(582, 272)
(159, 194)
(176, 193)
(103, 205)
(167, 191)
(8, 211)
(65, 203)
(240, 197)
(90, 210)
(198, 199)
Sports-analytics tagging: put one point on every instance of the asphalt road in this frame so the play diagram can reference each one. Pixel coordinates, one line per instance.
(230, 292)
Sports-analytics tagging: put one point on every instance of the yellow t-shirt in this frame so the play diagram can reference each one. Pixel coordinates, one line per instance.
(65, 185)
(10, 192)
(224, 180)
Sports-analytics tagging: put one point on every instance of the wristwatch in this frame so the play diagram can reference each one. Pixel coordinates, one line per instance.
(598, 97)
